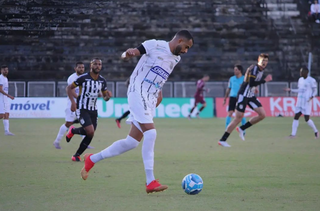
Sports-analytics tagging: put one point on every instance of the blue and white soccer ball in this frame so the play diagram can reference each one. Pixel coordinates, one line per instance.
(192, 184)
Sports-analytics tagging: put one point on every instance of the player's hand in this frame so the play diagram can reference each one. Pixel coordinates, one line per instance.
(224, 101)
(268, 78)
(287, 89)
(128, 54)
(256, 90)
(108, 95)
(11, 97)
(73, 106)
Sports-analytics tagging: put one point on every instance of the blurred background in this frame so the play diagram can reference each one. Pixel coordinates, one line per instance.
(41, 41)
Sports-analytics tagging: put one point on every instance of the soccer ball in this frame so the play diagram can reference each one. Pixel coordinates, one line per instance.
(192, 184)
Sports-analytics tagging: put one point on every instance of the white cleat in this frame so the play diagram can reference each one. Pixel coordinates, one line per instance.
(224, 144)
(241, 133)
(8, 133)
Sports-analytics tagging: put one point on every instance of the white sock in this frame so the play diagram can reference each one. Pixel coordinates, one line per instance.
(6, 125)
(311, 124)
(295, 125)
(148, 153)
(63, 129)
(117, 148)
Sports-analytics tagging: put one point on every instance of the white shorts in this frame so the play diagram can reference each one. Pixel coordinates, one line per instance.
(142, 108)
(70, 116)
(4, 107)
(305, 110)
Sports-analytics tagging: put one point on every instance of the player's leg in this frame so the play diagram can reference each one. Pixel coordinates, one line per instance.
(62, 130)
(117, 148)
(254, 104)
(194, 106)
(295, 122)
(240, 108)
(88, 121)
(309, 121)
(204, 104)
(124, 115)
(6, 124)
(231, 109)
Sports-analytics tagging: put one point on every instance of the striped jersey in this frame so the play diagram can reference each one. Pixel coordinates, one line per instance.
(307, 88)
(5, 88)
(252, 79)
(153, 68)
(70, 80)
(89, 90)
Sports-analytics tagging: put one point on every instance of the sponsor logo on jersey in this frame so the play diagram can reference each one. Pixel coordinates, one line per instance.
(160, 72)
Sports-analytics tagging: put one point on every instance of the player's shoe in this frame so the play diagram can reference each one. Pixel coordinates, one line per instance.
(197, 115)
(76, 158)
(8, 133)
(155, 186)
(90, 147)
(291, 137)
(316, 134)
(224, 144)
(69, 134)
(118, 123)
(88, 164)
(241, 133)
(56, 145)
(189, 116)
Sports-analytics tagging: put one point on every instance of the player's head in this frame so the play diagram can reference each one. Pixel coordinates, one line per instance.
(238, 70)
(96, 65)
(181, 42)
(263, 60)
(4, 70)
(304, 71)
(206, 77)
(79, 68)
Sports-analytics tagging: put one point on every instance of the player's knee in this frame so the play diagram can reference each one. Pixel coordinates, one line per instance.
(306, 118)
(262, 116)
(131, 143)
(90, 133)
(150, 134)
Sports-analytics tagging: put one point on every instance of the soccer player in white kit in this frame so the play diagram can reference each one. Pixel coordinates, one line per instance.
(307, 90)
(70, 116)
(144, 94)
(4, 103)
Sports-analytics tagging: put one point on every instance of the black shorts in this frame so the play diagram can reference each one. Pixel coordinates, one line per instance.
(252, 102)
(232, 103)
(87, 117)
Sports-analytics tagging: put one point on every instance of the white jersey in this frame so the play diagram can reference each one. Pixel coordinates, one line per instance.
(153, 68)
(307, 88)
(5, 88)
(70, 80)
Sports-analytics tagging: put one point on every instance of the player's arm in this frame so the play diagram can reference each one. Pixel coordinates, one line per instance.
(70, 90)
(226, 95)
(105, 92)
(74, 94)
(4, 93)
(159, 99)
(132, 52)
(314, 90)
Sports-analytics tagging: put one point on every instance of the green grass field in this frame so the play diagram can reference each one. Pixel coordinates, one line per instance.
(265, 172)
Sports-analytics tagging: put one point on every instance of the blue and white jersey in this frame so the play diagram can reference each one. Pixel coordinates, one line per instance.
(234, 85)
(153, 68)
(5, 87)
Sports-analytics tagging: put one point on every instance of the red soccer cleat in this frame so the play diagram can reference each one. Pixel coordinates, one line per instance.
(69, 134)
(155, 186)
(118, 123)
(76, 158)
(88, 164)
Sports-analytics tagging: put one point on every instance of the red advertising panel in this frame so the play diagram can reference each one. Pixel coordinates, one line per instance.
(274, 106)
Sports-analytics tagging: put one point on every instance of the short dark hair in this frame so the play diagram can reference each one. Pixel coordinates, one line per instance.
(263, 55)
(186, 34)
(4, 66)
(239, 67)
(304, 69)
(78, 63)
(95, 59)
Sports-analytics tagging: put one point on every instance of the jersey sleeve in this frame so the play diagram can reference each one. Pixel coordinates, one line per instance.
(1, 81)
(69, 81)
(104, 86)
(314, 88)
(149, 45)
(79, 81)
